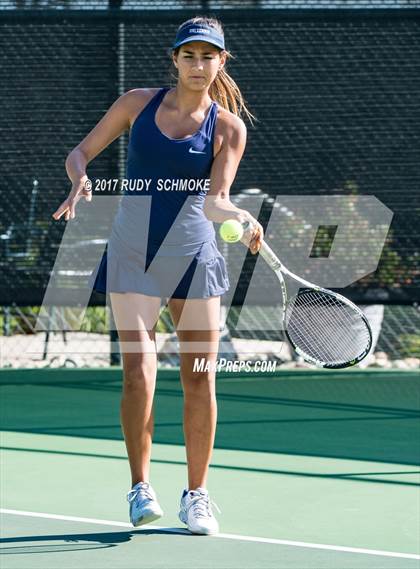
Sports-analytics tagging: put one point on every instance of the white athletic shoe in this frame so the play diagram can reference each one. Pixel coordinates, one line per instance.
(196, 512)
(144, 507)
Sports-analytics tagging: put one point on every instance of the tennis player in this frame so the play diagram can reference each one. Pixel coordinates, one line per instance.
(190, 132)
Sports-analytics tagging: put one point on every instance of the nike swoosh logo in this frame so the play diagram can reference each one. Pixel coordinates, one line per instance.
(195, 151)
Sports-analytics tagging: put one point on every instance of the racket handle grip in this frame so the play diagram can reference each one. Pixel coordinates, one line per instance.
(266, 252)
(270, 257)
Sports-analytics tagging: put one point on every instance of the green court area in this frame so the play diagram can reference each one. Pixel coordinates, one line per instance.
(310, 470)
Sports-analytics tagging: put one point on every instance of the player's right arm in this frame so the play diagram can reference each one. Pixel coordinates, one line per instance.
(117, 119)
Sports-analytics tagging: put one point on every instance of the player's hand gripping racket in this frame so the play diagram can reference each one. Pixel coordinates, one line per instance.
(323, 327)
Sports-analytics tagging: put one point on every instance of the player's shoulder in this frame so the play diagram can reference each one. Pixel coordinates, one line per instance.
(142, 93)
(230, 129)
(136, 99)
(230, 124)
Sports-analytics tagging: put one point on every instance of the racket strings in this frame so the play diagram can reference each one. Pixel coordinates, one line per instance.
(331, 341)
(326, 328)
(335, 345)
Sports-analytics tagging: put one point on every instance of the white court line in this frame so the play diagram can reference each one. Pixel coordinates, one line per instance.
(220, 535)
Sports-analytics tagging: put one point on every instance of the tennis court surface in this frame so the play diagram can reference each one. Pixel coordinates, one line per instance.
(310, 470)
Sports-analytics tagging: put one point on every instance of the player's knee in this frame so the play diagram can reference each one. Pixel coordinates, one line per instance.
(199, 383)
(139, 376)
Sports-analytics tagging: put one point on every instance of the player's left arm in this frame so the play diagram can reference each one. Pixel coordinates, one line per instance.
(217, 205)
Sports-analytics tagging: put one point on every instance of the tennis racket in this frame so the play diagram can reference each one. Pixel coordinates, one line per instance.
(323, 327)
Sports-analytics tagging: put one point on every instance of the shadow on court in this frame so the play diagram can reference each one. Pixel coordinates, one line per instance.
(69, 541)
(358, 415)
(351, 476)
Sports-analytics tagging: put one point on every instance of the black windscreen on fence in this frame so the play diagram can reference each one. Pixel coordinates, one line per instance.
(335, 93)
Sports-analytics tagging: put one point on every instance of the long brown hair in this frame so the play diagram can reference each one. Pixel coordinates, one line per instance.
(224, 89)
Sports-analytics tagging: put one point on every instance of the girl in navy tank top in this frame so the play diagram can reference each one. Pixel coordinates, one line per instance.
(184, 149)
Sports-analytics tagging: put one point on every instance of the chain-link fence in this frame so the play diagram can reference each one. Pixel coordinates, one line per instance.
(334, 86)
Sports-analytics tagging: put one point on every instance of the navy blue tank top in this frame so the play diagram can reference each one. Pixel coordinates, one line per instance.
(175, 174)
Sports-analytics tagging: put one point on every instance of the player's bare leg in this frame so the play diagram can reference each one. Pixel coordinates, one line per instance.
(197, 325)
(135, 317)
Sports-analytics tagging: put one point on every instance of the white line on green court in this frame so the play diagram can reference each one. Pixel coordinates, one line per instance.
(220, 535)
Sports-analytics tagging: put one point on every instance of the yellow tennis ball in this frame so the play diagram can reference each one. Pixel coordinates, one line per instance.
(231, 231)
